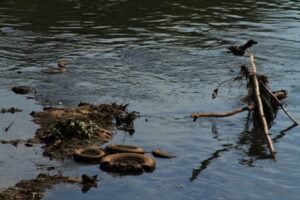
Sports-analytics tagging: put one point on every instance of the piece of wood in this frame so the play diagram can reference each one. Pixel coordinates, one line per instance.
(259, 106)
(223, 114)
(278, 94)
(280, 104)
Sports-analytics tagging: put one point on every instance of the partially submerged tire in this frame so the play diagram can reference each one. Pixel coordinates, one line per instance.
(127, 163)
(88, 155)
(120, 148)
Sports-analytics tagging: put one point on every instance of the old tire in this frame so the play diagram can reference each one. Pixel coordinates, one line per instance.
(120, 148)
(88, 154)
(128, 163)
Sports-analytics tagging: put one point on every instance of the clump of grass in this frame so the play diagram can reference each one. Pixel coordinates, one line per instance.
(72, 128)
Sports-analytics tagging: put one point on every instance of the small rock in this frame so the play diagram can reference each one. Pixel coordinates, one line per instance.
(23, 90)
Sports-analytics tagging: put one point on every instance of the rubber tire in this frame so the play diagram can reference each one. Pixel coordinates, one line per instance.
(112, 163)
(82, 155)
(120, 148)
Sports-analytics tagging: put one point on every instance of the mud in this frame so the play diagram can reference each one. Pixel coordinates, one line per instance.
(33, 189)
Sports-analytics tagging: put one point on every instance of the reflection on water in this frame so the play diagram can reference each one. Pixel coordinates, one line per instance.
(283, 132)
(164, 58)
(205, 163)
(251, 144)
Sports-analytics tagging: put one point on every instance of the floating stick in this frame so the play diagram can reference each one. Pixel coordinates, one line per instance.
(223, 114)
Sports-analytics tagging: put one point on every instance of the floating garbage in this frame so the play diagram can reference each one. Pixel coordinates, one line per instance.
(88, 154)
(130, 163)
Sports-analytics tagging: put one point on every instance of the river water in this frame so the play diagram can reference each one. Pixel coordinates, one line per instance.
(164, 58)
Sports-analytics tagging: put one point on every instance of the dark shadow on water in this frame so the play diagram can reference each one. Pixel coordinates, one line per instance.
(283, 133)
(205, 163)
(251, 142)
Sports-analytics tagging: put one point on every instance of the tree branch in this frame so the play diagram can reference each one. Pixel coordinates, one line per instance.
(223, 114)
(260, 106)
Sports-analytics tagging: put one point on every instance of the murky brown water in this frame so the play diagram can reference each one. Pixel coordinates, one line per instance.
(164, 58)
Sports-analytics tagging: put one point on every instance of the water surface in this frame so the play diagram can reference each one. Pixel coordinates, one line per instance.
(164, 58)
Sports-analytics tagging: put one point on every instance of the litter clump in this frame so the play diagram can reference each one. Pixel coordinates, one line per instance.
(65, 129)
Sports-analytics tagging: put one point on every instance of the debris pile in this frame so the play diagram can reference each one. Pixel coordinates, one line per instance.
(33, 189)
(65, 129)
(261, 102)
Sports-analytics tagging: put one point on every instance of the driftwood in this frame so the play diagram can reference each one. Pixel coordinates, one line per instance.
(261, 101)
(278, 94)
(223, 114)
(260, 107)
(255, 103)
